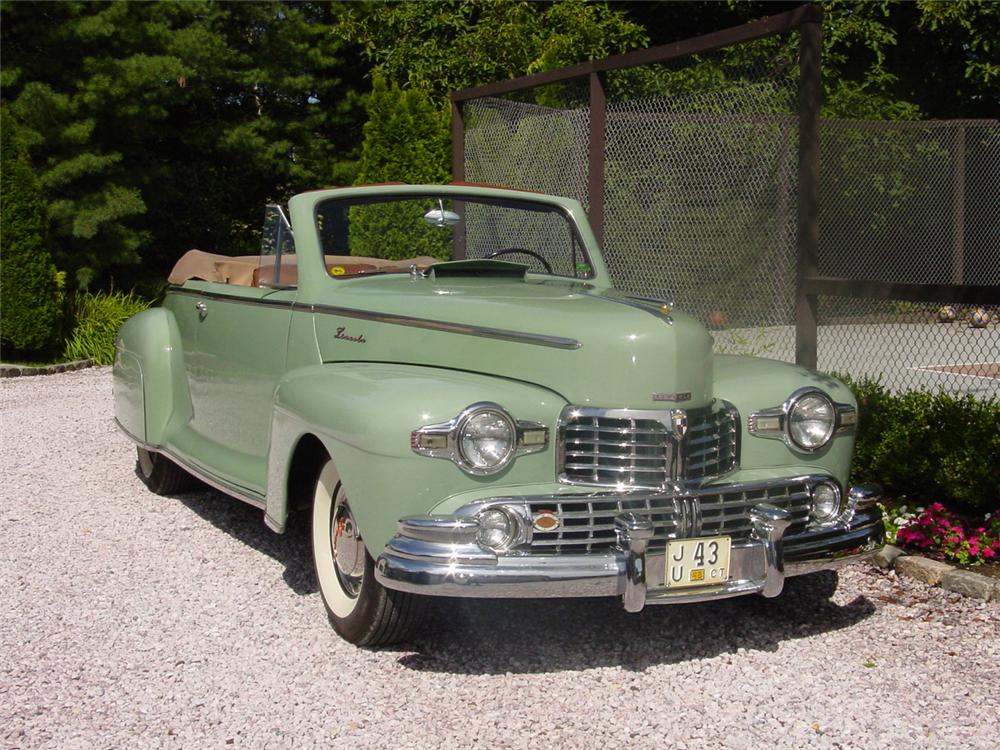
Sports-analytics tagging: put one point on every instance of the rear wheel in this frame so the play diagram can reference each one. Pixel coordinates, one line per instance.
(361, 610)
(161, 475)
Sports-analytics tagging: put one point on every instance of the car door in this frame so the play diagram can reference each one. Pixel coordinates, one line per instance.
(235, 339)
(235, 364)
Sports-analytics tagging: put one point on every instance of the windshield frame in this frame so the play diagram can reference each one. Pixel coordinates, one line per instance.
(518, 201)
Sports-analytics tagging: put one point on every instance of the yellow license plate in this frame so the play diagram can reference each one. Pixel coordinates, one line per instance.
(697, 562)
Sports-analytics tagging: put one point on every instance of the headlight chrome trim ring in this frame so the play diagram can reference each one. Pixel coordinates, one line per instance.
(443, 440)
(463, 460)
(775, 422)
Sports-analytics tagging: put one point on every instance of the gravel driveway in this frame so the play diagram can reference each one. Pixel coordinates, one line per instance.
(131, 620)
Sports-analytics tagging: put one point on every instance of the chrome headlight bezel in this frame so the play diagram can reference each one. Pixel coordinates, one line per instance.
(829, 425)
(775, 422)
(469, 464)
(444, 440)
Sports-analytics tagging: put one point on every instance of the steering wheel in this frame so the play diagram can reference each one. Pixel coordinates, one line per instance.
(522, 251)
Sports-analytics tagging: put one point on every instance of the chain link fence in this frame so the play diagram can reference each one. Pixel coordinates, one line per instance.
(700, 205)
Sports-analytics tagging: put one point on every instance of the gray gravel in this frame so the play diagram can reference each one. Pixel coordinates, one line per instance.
(137, 621)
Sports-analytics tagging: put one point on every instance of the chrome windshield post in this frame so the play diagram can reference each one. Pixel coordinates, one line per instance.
(769, 524)
(634, 534)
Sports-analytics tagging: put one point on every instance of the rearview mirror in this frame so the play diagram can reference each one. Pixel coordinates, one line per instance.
(439, 217)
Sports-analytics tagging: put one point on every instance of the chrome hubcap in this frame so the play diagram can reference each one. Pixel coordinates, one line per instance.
(348, 550)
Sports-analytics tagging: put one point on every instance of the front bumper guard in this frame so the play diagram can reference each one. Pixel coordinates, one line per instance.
(416, 561)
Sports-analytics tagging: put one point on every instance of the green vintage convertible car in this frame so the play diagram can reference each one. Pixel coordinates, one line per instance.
(502, 425)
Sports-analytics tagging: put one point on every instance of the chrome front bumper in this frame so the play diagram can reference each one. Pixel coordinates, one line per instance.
(418, 561)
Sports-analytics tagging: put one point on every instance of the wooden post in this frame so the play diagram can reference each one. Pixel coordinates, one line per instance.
(810, 51)
(595, 168)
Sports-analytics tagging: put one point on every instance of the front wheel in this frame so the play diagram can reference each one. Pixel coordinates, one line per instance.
(361, 610)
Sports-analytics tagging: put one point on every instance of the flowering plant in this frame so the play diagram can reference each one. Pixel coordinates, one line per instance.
(941, 532)
(896, 517)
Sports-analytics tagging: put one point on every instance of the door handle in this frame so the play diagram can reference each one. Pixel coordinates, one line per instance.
(202, 309)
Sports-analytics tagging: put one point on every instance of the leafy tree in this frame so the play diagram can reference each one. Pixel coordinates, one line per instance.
(30, 287)
(440, 46)
(444, 45)
(157, 127)
(881, 59)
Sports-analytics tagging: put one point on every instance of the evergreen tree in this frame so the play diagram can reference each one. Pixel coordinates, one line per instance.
(30, 287)
(406, 138)
(157, 127)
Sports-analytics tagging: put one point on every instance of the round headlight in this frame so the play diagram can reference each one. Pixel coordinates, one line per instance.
(811, 421)
(486, 441)
(826, 502)
(497, 529)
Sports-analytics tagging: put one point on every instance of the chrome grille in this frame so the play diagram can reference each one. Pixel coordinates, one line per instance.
(638, 449)
(587, 522)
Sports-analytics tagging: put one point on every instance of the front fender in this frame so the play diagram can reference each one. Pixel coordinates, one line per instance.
(150, 388)
(752, 384)
(363, 413)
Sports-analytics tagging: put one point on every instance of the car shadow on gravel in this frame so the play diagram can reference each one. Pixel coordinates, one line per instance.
(246, 523)
(567, 635)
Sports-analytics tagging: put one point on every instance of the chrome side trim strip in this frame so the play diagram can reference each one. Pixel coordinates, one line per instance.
(502, 334)
(233, 297)
(521, 337)
(214, 482)
(649, 305)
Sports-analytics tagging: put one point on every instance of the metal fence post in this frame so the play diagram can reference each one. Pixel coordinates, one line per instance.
(810, 51)
(595, 170)
(458, 168)
(958, 259)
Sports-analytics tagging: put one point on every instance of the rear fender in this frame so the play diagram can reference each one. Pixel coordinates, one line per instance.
(363, 414)
(150, 388)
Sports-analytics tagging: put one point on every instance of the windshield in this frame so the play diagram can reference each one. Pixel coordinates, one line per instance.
(387, 233)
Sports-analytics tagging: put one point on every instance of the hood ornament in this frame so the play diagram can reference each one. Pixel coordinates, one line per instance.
(679, 423)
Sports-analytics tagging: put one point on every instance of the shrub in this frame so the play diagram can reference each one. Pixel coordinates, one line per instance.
(930, 446)
(96, 320)
(30, 286)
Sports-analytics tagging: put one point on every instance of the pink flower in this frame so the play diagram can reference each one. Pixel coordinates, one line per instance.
(988, 553)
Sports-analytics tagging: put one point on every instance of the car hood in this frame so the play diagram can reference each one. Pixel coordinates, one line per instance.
(593, 347)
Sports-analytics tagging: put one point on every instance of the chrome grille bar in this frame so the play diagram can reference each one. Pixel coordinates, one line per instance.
(623, 448)
(587, 521)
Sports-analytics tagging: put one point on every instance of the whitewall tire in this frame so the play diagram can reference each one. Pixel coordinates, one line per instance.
(360, 609)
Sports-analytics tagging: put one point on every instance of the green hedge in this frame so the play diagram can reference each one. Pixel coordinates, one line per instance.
(30, 286)
(929, 446)
(96, 320)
